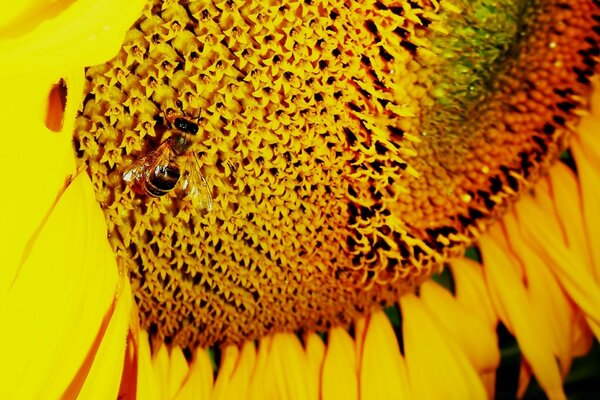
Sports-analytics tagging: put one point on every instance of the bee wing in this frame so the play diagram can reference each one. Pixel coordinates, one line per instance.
(138, 170)
(141, 169)
(195, 184)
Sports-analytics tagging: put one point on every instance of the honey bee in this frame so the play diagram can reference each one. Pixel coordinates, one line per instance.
(157, 172)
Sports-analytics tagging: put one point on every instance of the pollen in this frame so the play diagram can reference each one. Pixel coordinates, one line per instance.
(349, 148)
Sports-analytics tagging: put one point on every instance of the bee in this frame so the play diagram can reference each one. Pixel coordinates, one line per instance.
(157, 172)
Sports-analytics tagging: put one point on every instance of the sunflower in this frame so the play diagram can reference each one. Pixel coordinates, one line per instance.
(333, 156)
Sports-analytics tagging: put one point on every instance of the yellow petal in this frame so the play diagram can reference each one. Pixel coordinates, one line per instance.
(382, 371)
(37, 184)
(223, 388)
(44, 220)
(471, 291)
(178, 371)
(566, 193)
(360, 329)
(288, 366)
(587, 129)
(315, 352)
(339, 377)
(24, 15)
(568, 267)
(56, 305)
(509, 294)
(436, 367)
(51, 41)
(104, 378)
(148, 387)
(586, 152)
(259, 384)
(500, 310)
(588, 173)
(489, 381)
(582, 338)
(524, 378)
(84, 33)
(128, 388)
(547, 298)
(160, 365)
(477, 340)
(236, 382)
(199, 381)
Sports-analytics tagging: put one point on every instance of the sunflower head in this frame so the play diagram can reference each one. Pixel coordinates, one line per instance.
(347, 149)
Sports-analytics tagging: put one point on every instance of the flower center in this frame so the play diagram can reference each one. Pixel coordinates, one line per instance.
(292, 165)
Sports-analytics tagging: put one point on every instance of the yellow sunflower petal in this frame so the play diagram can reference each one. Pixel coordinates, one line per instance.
(23, 15)
(360, 329)
(234, 382)
(57, 302)
(339, 377)
(586, 151)
(35, 183)
(83, 33)
(588, 167)
(582, 337)
(471, 291)
(104, 377)
(199, 381)
(40, 43)
(509, 294)
(436, 366)
(500, 308)
(524, 378)
(148, 387)
(57, 247)
(160, 365)
(178, 371)
(587, 129)
(128, 388)
(548, 300)
(566, 194)
(259, 384)
(223, 388)
(281, 369)
(382, 370)
(288, 367)
(475, 337)
(315, 352)
(568, 267)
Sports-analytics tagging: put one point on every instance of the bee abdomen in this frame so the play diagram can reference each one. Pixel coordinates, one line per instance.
(163, 180)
